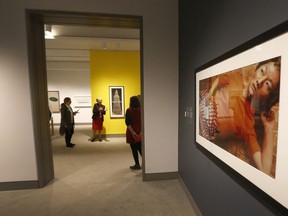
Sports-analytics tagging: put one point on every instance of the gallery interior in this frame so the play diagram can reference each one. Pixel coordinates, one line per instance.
(159, 47)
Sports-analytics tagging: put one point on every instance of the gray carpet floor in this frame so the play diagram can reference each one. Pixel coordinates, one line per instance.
(94, 179)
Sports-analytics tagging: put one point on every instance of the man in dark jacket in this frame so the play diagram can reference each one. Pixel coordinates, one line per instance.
(67, 121)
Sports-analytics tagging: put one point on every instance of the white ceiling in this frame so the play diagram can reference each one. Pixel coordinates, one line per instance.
(73, 43)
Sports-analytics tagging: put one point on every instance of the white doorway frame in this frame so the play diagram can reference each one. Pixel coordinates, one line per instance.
(38, 74)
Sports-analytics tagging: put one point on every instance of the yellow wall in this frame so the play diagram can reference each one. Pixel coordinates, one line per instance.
(114, 68)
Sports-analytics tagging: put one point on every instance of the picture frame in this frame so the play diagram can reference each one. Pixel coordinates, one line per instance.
(54, 101)
(116, 101)
(82, 101)
(231, 121)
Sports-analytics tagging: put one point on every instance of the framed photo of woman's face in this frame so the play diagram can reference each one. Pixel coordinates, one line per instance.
(241, 110)
(116, 101)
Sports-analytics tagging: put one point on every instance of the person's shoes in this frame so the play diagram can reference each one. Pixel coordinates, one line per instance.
(135, 167)
(93, 139)
(71, 145)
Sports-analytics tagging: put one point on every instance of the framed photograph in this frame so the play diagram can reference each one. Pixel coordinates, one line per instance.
(53, 101)
(241, 110)
(82, 101)
(116, 101)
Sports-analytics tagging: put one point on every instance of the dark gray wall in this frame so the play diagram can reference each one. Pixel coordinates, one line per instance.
(208, 29)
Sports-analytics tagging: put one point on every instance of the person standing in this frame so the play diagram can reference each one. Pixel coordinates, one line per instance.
(67, 121)
(98, 118)
(133, 131)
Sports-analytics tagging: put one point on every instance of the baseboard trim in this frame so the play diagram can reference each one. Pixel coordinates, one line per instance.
(21, 185)
(114, 135)
(190, 198)
(160, 176)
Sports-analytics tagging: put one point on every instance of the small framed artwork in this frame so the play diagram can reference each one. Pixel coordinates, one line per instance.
(241, 110)
(53, 101)
(82, 101)
(116, 101)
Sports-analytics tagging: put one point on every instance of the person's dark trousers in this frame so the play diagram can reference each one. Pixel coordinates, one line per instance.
(136, 147)
(68, 135)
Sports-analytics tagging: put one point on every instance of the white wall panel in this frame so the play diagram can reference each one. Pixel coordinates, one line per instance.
(160, 81)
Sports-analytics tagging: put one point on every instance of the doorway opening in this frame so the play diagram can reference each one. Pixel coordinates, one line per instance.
(38, 73)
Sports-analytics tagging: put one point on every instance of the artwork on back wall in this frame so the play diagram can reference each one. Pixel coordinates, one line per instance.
(241, 110)
(116, 101)
(83, 101)
(53, 101)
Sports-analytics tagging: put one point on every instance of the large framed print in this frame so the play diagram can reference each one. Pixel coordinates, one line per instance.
(53, 101)
(116, 101)
(241, 110)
